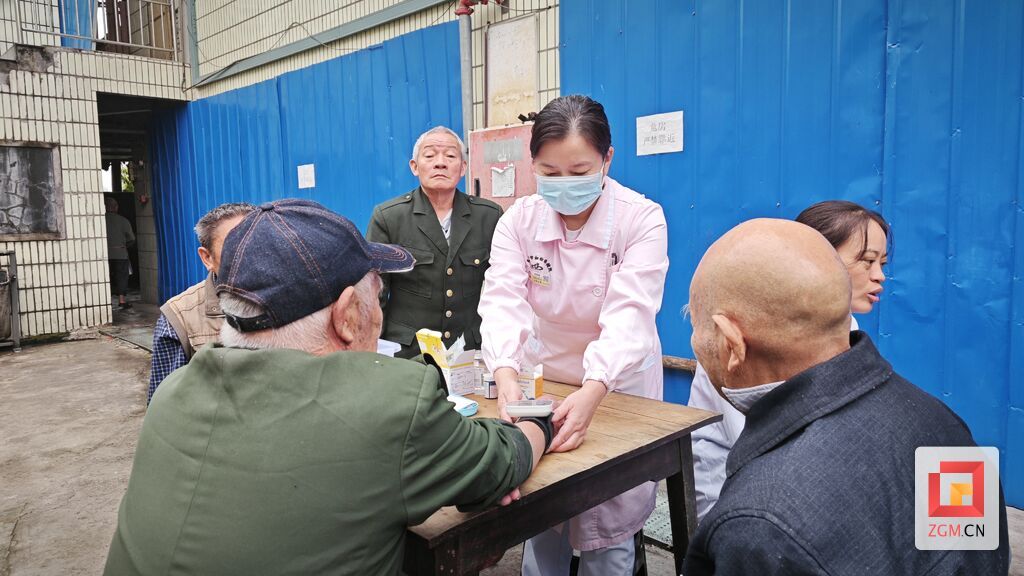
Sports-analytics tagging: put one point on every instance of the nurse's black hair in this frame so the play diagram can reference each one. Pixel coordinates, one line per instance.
(839, 220)
(573, 114)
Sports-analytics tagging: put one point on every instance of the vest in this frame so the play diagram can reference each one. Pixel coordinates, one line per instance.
(195, 315)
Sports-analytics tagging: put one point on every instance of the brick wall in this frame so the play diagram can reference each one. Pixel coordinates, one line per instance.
(50, 96)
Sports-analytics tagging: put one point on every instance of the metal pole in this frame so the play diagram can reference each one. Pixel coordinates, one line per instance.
(174, 32)
(152, 28)
(142, 27)
(94, 6)
(191, 31)
(466, 62)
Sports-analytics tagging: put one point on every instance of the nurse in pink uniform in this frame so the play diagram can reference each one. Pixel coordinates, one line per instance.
(576, 277)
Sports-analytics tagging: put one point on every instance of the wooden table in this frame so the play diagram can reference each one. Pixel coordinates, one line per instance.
(631, 440)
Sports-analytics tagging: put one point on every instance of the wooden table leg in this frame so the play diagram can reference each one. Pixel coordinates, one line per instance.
(682, 506)
(446, 559)
(441, 561)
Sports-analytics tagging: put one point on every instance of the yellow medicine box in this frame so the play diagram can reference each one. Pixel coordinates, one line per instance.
(532, 382)
(431, 343)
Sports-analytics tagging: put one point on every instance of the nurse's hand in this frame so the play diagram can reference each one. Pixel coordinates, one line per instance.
(507, 381)
(572, 417)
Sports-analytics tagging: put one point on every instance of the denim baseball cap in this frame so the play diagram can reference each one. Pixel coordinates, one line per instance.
(294, 257)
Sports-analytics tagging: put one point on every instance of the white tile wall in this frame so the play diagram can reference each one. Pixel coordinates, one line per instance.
(231, 30)
(38, 15)
(547, 47)
(64, 283)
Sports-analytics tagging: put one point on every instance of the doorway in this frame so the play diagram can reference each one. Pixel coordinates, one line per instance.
(125, 133)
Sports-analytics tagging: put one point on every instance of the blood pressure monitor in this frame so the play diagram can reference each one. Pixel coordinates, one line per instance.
(523, 408)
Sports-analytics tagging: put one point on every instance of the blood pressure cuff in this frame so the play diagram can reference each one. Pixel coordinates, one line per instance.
(545, 425)
(429, 361)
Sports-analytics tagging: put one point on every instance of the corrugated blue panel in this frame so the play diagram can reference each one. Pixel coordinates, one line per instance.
(355, 118)
(912, 107)
(952, 186)
(77, 17)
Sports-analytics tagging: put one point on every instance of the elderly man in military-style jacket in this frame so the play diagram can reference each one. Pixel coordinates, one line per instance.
(449, 234)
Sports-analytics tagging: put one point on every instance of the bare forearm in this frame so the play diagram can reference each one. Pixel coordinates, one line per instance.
(535, 435)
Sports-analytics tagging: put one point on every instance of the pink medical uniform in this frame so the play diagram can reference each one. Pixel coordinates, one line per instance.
(586, 311)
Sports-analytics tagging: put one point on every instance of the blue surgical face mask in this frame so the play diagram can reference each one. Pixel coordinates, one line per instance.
(570, 195)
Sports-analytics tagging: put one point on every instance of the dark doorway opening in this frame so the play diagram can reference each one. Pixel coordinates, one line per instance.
(125, 125)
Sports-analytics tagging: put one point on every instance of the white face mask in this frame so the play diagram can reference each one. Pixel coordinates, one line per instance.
(744, 398)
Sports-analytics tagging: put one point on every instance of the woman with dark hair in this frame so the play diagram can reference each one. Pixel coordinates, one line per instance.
(861, 238)
(576, 277)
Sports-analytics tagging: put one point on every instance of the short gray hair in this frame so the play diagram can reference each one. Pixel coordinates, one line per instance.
(208, 223)
(308, 333)
(439, 130)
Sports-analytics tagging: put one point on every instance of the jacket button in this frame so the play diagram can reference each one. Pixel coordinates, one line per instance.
(448, 314)
(450, 293)
(476, 261)
(450, 271)
(598, 292)
(447, 335)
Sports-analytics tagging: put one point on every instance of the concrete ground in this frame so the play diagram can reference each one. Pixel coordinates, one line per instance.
(69, 418)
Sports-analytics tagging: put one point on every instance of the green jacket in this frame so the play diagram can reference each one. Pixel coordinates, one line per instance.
(443, 291)
(279, 462)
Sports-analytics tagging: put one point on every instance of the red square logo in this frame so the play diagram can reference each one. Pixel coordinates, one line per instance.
(973, 491)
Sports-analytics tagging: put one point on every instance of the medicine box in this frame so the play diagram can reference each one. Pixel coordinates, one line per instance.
(531, 381)
(460, 372)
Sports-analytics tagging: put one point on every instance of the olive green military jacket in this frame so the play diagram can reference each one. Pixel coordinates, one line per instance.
(280, 462)
(443, 290)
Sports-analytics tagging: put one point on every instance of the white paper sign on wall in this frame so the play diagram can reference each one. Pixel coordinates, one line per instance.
(503, 181)
(659, 133)
(307, 176)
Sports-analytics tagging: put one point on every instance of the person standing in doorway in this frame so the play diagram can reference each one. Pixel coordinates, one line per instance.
(119, 237)
(449, 234)
(576, 280)
(193, 318)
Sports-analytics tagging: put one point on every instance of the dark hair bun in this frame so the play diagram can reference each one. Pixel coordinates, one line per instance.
(573, 114)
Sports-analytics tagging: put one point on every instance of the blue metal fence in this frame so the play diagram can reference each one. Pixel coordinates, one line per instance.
(909, 106)
(912, 107)
(354, 117)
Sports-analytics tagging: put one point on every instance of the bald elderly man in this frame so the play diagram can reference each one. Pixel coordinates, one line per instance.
(821, 481)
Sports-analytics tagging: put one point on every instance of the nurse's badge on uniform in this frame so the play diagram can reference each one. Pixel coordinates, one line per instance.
(540, 270)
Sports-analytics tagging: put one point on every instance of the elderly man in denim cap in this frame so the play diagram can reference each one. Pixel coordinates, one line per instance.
(293, 448)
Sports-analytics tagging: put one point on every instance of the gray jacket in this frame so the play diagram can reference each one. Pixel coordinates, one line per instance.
(119, 236)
